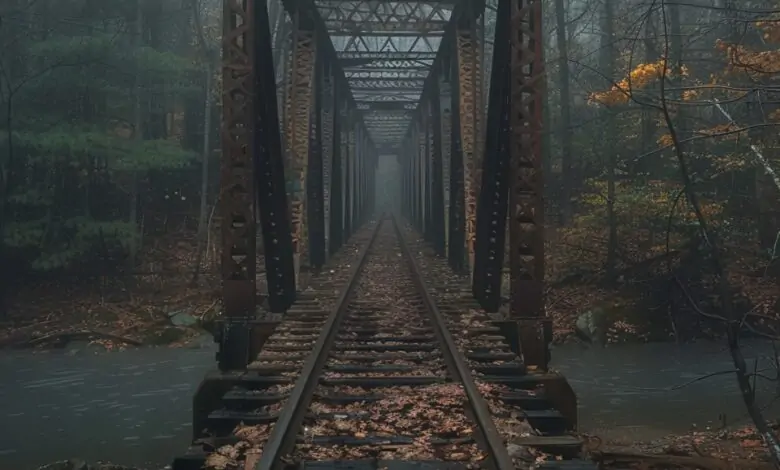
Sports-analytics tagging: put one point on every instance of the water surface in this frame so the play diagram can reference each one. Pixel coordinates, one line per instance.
(134, 407)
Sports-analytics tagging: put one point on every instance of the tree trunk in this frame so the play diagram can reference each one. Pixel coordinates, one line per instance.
(203, 220)
(565, 123)
(608, 69)
(137, 134)
(648, 164)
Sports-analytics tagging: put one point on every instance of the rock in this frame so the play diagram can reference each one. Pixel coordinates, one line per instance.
(66, 465)
(519, 452)
(81, 345)
(75, 464)
(182, 318)
(166, 336)
(592, 325)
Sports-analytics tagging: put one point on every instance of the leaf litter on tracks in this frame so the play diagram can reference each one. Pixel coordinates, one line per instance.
(433, 416)
(239, 455)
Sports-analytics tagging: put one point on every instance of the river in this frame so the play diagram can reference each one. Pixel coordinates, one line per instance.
(133, 407)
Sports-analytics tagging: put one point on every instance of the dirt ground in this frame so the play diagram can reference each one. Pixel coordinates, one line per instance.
(156, 304)
(733, 449)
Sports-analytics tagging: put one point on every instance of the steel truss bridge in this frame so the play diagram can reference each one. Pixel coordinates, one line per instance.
(316, 91)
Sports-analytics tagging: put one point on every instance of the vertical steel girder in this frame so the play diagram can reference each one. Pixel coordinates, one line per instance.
(356, 176)
(421, 165)
(269, 175)
(406, 189)
(297, 122)
(251, 167)
(494, 191)
(526, 229)
(446, 151)
(457, 224)
(349, 156)
(372, 188)
(337, 186)
(328, 142)
(437, 181)
(426, 114)
(360, 140)
(353, 156)
(236, 179)
(315, 172)
(414, 151)
(468, 62)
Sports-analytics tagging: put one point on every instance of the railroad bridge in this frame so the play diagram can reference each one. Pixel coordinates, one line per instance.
(315, 94)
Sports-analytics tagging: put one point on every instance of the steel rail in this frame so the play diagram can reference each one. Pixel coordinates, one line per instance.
(283, 436)
(489, 438)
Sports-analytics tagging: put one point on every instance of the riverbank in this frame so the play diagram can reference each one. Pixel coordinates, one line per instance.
(142, 311)
(164, 306)
(738, 448)
(735, 449)
(594, 313)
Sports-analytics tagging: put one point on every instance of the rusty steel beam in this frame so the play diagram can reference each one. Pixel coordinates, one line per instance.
(526, 186)
(360, 144)
(269, 172)
(349, 156)
(457, 226)
(437, 181)
(297, 122)
(236, 180)
(391, 55)
(422, 161)
(337, 180)
(315, 172)
(494, 194)
(429, 165)
(445, 106)
(328, 145)
(468, 91)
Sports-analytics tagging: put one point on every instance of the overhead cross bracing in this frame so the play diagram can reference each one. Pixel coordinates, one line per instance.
(387, 50)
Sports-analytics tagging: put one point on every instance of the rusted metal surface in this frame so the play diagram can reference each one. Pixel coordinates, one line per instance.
(352, 146)
(479, 105)
(359, 164)
(236, 179)
(494, 192)
(337, 177)
(414, 153)
(468, 70)
(429, 222)
(266, 149)
(445, 105)
(422, 161)
(438, 205)
(315, 173)
(526, 207)
(297, 121)
(328, 118)
(348, 155)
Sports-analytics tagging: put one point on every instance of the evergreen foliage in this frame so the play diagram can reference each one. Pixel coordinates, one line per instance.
(72, 84)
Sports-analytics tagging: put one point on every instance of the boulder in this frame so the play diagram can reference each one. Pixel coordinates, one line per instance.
(76, 464)
(182, 318)
(592, 325)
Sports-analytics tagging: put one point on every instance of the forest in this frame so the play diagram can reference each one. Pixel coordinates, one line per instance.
(108, 112)
(110, 152)
(108, 203)
(661, 169)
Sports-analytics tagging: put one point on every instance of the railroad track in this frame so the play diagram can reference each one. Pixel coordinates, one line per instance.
(376, 372)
